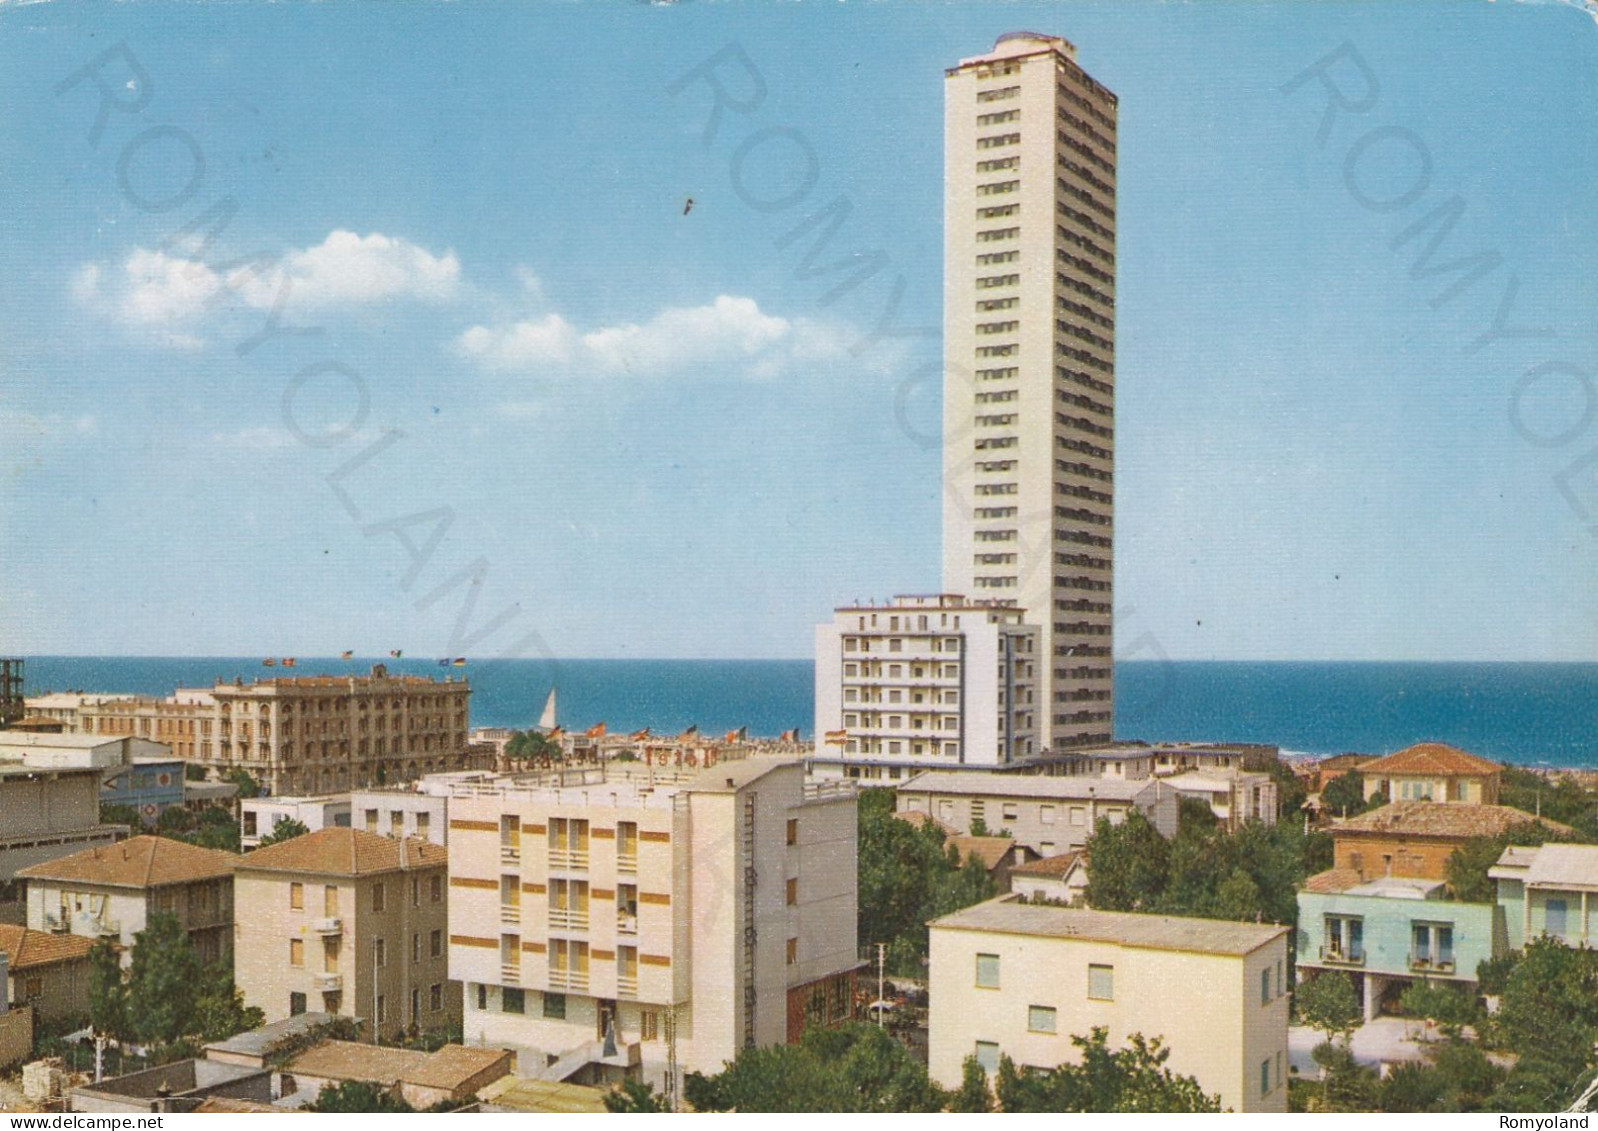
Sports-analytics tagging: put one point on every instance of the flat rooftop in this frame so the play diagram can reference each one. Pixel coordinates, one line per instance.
(1064, 788)
(1122, 928)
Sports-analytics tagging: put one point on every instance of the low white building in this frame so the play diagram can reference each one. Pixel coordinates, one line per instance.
(1061, 879)
(1233, 796)
(259, 815)
(924, 682)
(421, 812)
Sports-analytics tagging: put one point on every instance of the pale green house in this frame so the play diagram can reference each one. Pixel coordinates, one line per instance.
(1550, 890)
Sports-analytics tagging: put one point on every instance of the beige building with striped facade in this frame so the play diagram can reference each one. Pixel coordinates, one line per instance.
(1029, 360)
(682, 916)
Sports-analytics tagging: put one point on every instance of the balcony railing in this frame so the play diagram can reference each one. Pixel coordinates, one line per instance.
(560, 979)
(627, 985)
(510, 973)
(1338, 956)
(1432, 963)
(566, 919)
(571, 859)
(627, 863)
(329, 983)
(510, 913)
(626, 924)
(510, 853)
(328, 925)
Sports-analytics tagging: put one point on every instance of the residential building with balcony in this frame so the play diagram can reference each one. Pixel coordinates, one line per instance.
(1388, 932)
(1020, 980)
(308, 735)
(608, 922)
(1431, 771)
(1047, 814)
(924, 682)
(346, 922)
(1414, 839)
(110, 891)
(1549, 890)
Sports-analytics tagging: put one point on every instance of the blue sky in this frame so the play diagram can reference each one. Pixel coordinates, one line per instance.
(647, 432)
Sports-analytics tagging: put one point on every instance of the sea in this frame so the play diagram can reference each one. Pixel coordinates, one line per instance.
(1527, 713)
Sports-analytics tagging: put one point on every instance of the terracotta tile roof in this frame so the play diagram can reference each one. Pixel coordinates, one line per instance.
(1049, 865)
(1333, 880)
(231, 1106)
(142, 862)
(450, 1067)
(1440, 819)
(25, 948)
(988, 849)
(1431, 758)
(344, 852)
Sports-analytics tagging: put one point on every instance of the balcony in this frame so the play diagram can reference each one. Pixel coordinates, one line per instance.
(510, 973)
(569, 859)
(627, 863)
(627, 985)
(328, 925)
(510, 913)
(1432, 964)
(568, 979)
(1338, 956)
(626, 924)
(328, 983)
(566, 919)
(510, 854)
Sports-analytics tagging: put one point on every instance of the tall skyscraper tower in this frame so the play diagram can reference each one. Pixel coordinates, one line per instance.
(1029, 361)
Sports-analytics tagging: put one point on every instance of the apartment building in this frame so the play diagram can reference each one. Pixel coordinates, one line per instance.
(1414, 839)
(1233, 796)
(308, 734)
(1386, 933)
(1020, 980)
(1549, 890)
(1029, 361)
(926, 681)
(50, 797)
(110, 891)
(1431, 771)
(258, 816)
(1048, 815)
(420, 811)
(346, 922)
(632, 924)
(65, 707)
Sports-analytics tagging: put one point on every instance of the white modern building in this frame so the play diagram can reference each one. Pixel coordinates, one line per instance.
(924, 682)
(258, 816)
(608, 923)
(1029, 361)
(421, 812)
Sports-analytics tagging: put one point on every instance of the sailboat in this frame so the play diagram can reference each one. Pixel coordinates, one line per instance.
(546, 721)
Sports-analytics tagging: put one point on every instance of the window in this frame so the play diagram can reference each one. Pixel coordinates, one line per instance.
(793, 892)
(1265, 1076)
(435, 997)
(988, 1056)
(1042, 1019)
(249, 823)
(436, 889)
(1046, 814)
(482, 996)
(371, 820)
(416, 891)
(1101, 983)
(330, 901)
(1279, 990)
(416, 948)
(416, 1002)
(1078, 815)
(379, 896)
(1345, 938)
(793, 830)
(793, 951)
(512, 1000)
(649, 1025)
(1554, 920)
(382, 1009)
(296, 1004)
(1265, 986)
(1011, 811)
(297, 896)
(296, 952)
(988, 971)
(555, 1006)
(423, 822)
(436, 944)
(380, 948)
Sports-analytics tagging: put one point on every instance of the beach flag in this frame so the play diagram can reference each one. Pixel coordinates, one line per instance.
(346, 655)
(689, 733)
(595, 731)
(554, 734)
(269, 663)
(459, 661)
(396, 653)
(789, 736)
(288, 661)
(443, 663)
(836, 737)
(638, 735)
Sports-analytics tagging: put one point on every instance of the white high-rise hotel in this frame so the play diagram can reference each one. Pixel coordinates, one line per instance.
(1029, 435)
(1029, 359)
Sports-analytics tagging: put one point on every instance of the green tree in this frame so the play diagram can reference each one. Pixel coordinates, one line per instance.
(1344, 795)
(354, 1096)
(219, 1009)
(121, 815)
(1127, 864)
(1345, 1084)
(532, 744)
(1449, 1008)
(1329, 1002)
(1547, 1017)
(633, 1096)
(973, 1094)
(174, 819)
(193, 771)
(1467, 867)
(249, 786)
(108, 993)
(284, 828)
(163, 980)
(856, 1068)
(1132, 1078)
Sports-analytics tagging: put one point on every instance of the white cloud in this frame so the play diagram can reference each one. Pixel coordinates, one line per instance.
(156, 289)
(730, 336)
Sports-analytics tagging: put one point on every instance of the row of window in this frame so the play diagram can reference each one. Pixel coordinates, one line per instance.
(434, 883)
